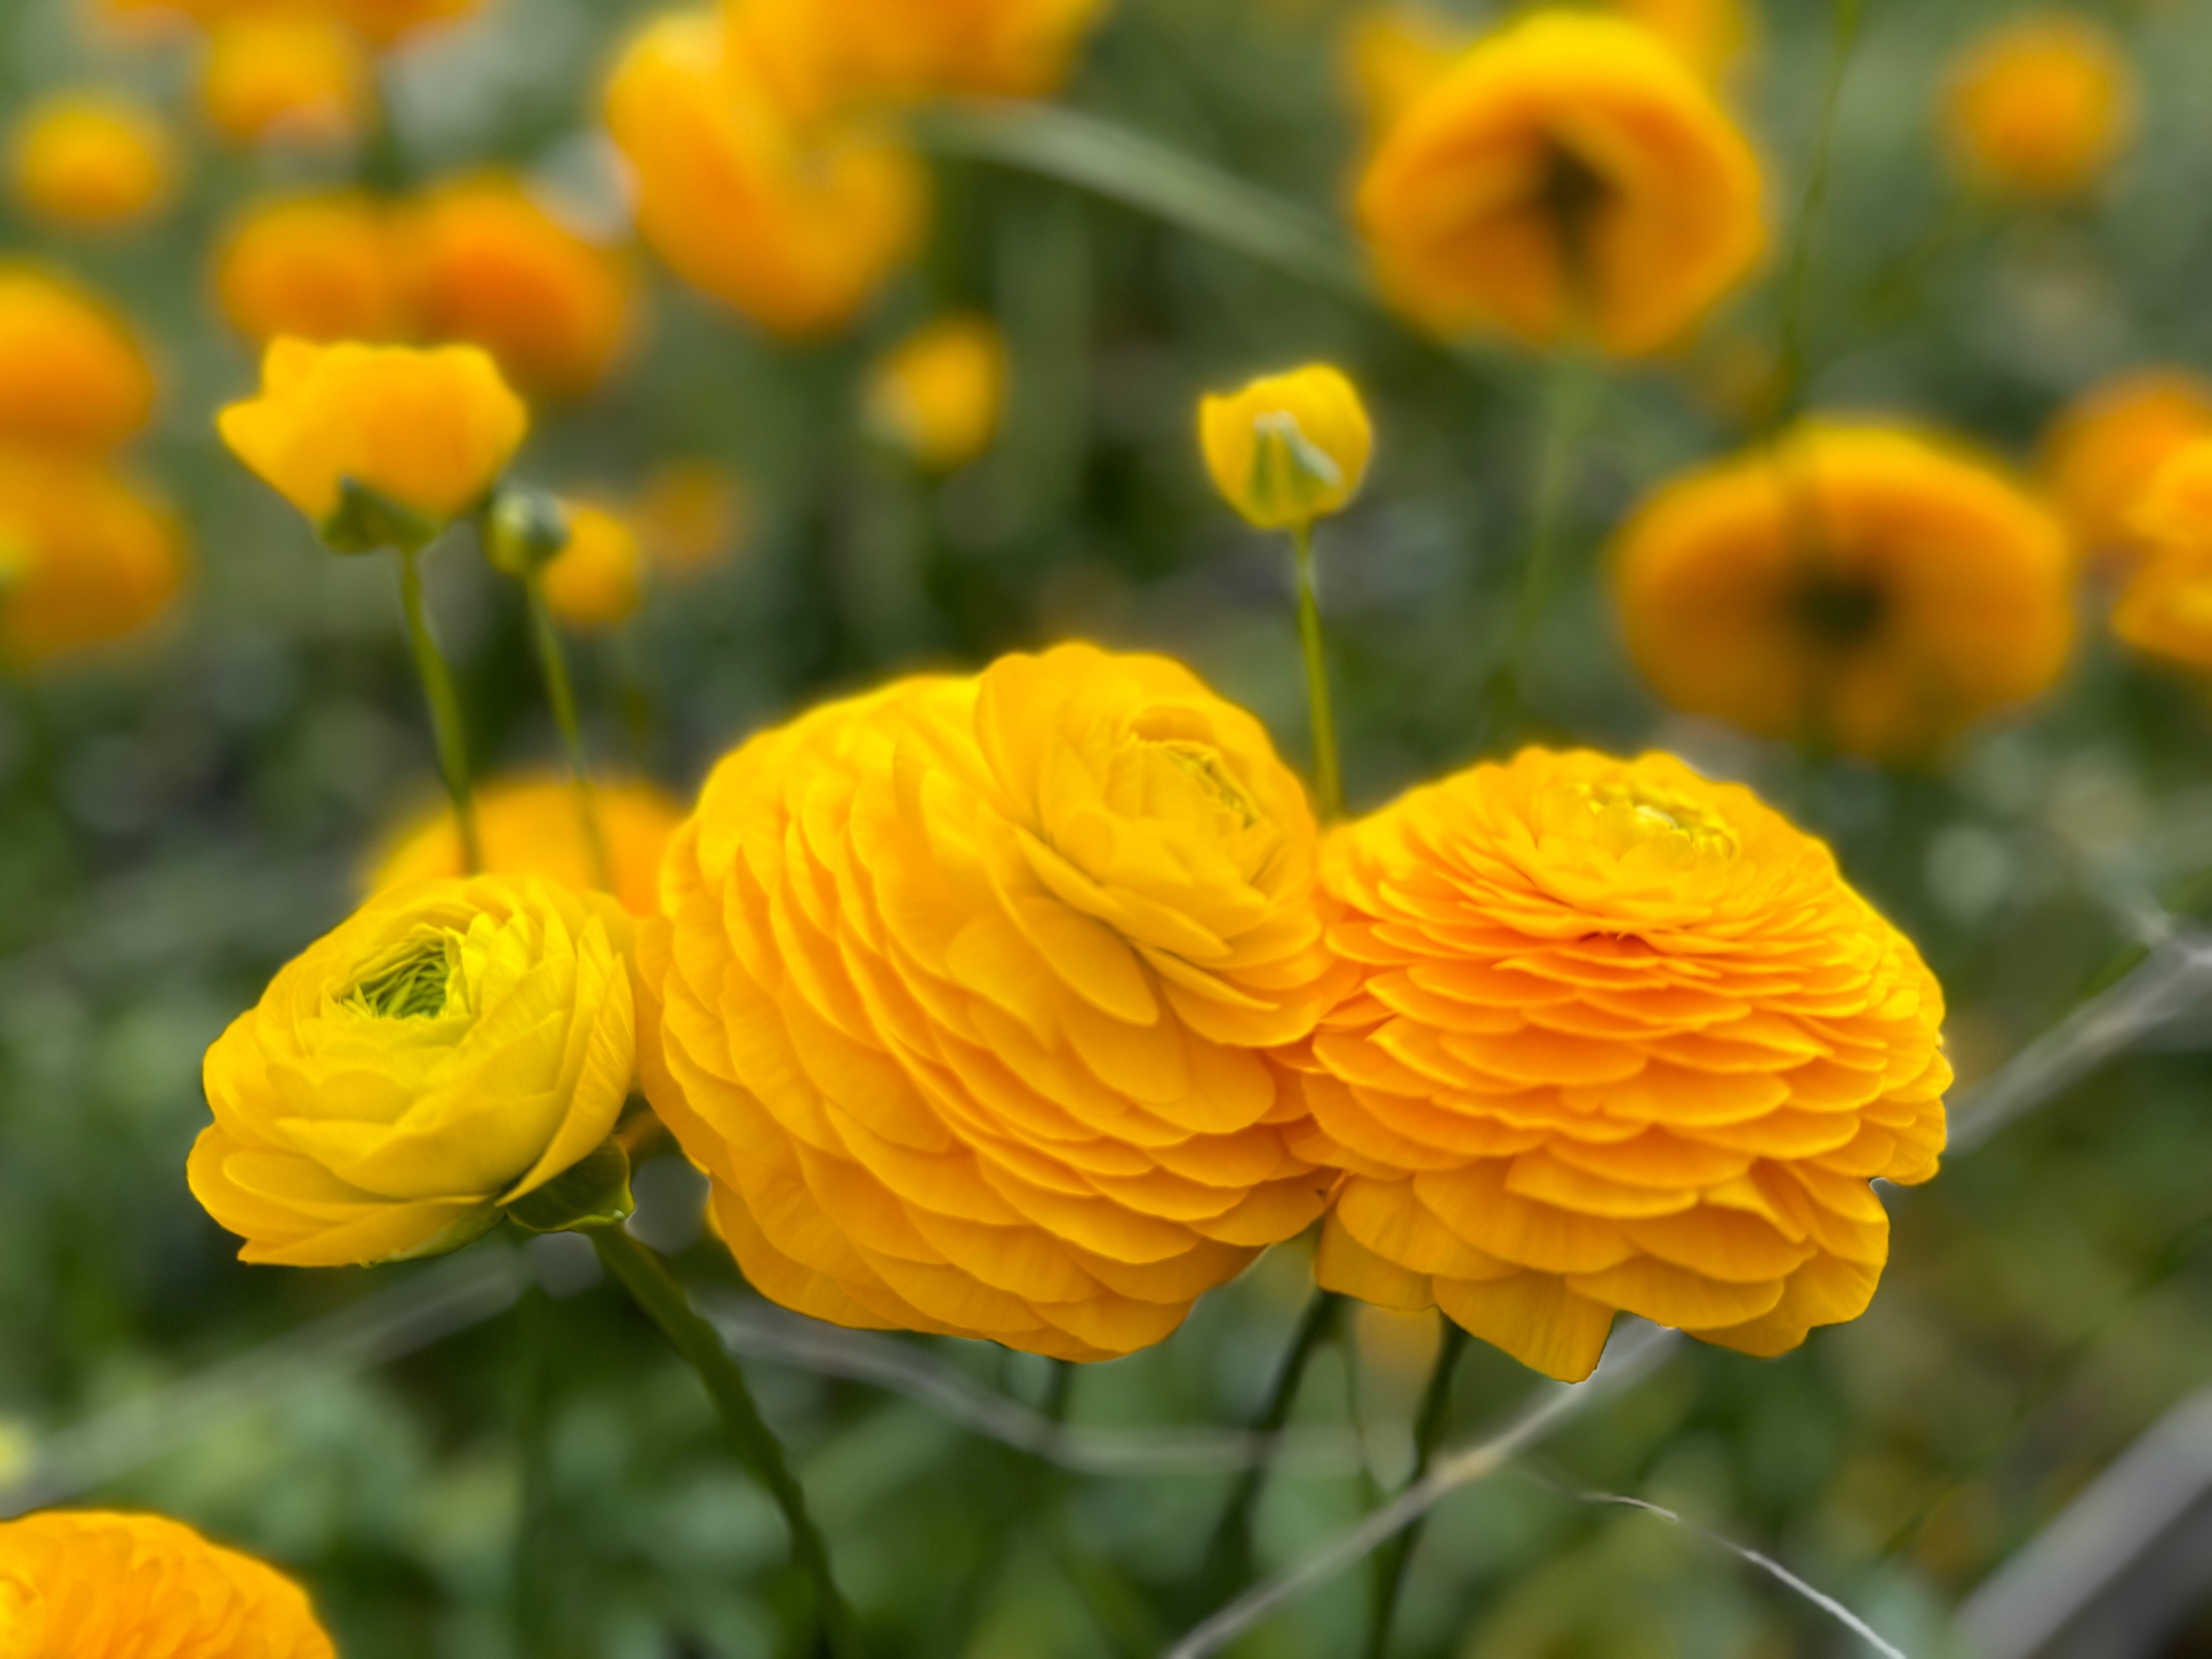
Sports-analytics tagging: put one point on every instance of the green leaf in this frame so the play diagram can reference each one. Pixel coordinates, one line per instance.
(594, 1193)
(366, 521)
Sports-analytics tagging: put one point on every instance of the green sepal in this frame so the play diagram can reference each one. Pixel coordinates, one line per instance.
(366, 522)
(462, 1231)
(1294, 479)
(594, 1193)
(523, 529)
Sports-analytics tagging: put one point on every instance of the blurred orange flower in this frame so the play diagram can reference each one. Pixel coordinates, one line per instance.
(2166, 607)
(691, 515)
(1569, 176)
(598, 578)
(1389, 55)
(1864, 587)
(322, 267)
(91, 159)
(2040, 106)
(1624, 1040)
(294, 76)
(71, 373)
(1708, 35)
(937, 395)
(822, 53)
(84, 559)
(384, 21)
(2103, 449)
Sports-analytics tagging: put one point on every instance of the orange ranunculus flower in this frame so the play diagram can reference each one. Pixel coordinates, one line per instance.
(937, 395)
(690, 514)
(2103, 449)
(827, 53)
(1864, 587)
(1624, 1039)
(970, 987)
(322, 267)
(2167, 608)
(84, 559)
(796, 228)
(91, 159)
(529, 825)
(598, 578)
(294, 76)
(488, 265)
(89, 1584)
(1569, 176)
(2040, 106)
(71, 373)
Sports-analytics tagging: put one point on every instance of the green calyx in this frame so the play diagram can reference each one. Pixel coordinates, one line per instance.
(1293, 478)
(594, 1193)
(366, 521)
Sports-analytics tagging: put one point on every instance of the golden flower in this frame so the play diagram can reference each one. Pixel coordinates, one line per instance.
(690, 514)
(71, 373)
(1863, 587)
(90, 1584)
(939, 393)
(448, 1050)
(1624, 1039)
(2039, 107)
(796, 230)
(427, 431)
(970, 987)
(596, 580)
(91, 159)
(1288, 448)
(488, 265)
(1569, 176)
(1708, 35)
(298, 76)
(2103, 449)
(2167, 608)
(529, 825)
(1391, 54)
(321, 267)
(84, 559)
(828, 51)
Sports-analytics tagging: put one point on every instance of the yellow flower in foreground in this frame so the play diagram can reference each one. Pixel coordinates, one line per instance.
(321, 267)
(427, 431)
(1863, 587)
(83, 558)
(970, 987)
(529, 824)
(691, 515)
(845, 51)
(71, 373)
(596, 580)
(1287, 449)
(1569, 177)
(2040, 106)
(939, 393)
(450, 1049)
(91, 159)
(289, 76)
(89, 1584)
(2167, 608)
(1624, 1039)
(2105, 448)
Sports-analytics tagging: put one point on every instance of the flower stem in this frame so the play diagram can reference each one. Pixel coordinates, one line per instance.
(1329, 781)
(561, 692)
(1429, 1425)
(654, 1289)
(1229, 1558)
(445, 706)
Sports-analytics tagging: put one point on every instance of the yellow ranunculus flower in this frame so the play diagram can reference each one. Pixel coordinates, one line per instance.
(92, 158)
(449, 1048)
(2040, 106)
(93, 1585)
(293, 76)
(71, 373)
(427, 431)
(1288, 448)
(970, 994)
(322, 267)
(692, 514)
(84, 559)
(939, 393)
(596, 580)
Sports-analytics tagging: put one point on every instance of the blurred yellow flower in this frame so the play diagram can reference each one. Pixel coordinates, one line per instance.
(384, 21)
(529, 824)
(2040, 106)
(71, 373)
(1390, 54)
(427, 431)
(1569, 177)
(89, 1584)
(795, 229)
(691, 515)
(939, 393)
(488, 265)
(2167, 608)
(824, 52)
(84, 559)
(91, 159)
(1708, 35)
(596, 580)
(1863, 587)
(1287, 449)
(321, 267)
(1624, 1039)
(446, 1050)
(2103, 450)
(299, 77)
(968, 992)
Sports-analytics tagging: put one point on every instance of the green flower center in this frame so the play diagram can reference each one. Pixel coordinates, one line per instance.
(410, 982)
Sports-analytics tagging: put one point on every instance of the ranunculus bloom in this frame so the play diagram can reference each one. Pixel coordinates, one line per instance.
(530, 823)
(449, 1048)
(430, 431)
(84, 559)
(1624, 1039)
(90, 1584)
(969, 987)
(488, 265)
(691, 515)
(939, 393)
(2166, 607)
(284, 76)
(2040, 106)
(324, 267)
(1864, 588)
(596, 580)
(2105, 448)
(795, 229)
(832, 52)
(91, 159)
(71, 373)
(1569, 177)
(1286, 449)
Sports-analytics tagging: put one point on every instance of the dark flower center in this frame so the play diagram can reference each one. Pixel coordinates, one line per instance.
(1836, 610)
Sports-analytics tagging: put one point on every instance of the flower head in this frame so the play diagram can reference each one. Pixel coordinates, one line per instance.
(91, 159)
(969, 987)
(2102, 451)
(1569, 176)
(1860, 587)
(2040, 106)
(322, 267)
(84, 559)
(448, 1050)
(939, 393)
(692, 514)
(596, 580)
(298, 77)
(1287, 449)
(89, 1584)
(71, 373)
(1624, 1039)
(2167, 608)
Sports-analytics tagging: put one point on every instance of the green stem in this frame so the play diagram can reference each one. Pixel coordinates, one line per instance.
(1429, 1425)
(445, 706)
(1329, 780)
(1229, 1558)
(654, 1289)
(1790, 367)
(561, 692)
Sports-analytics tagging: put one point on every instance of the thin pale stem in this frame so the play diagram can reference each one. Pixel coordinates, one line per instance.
(445, 706)
(1429, 1425)
(561, 692)
(1229, 1558)
(1329, 780)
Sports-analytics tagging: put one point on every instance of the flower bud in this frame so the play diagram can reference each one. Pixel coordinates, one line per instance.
(523, 530)
(1288, 448)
